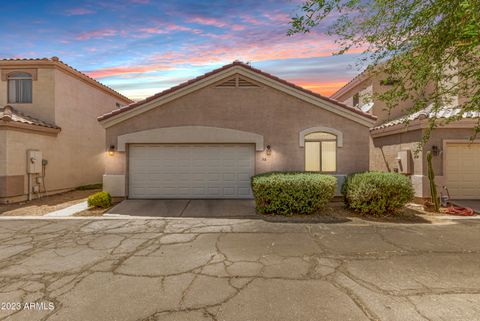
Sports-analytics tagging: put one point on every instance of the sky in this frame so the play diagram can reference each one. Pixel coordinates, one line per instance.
(141, 47)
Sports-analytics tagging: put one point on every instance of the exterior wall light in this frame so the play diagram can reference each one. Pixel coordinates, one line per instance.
(435, 150)
(111, 150)
(269, 150)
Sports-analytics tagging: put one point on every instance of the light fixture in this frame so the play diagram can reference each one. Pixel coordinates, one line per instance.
(268, 151)
(435, 150)
(111, 150)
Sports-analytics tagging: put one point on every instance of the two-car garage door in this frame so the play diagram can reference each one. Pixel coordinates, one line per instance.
(190, 170)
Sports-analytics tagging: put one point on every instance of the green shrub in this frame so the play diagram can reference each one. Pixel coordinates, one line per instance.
(89, 187)
(100, 199)
(377, 193)
(289, 193)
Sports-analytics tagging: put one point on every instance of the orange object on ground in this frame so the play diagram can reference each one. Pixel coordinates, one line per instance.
(461, 211)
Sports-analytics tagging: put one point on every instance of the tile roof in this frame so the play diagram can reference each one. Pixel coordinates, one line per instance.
(216, 71)
(10, 114)
(56, 60)
(426, 113)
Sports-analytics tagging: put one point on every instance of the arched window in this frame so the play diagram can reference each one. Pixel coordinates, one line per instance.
(20, 88)
(321, 152)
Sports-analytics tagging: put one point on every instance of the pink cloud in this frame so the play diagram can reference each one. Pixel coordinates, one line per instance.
(79, 12)
(124, 70)
(208, 22)
(96, 34)
(167, 28)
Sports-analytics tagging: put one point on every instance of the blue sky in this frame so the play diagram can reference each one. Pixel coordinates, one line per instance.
(140, 47)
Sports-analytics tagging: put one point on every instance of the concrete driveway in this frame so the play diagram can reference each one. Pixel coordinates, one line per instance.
(187, 208)
(223, 269)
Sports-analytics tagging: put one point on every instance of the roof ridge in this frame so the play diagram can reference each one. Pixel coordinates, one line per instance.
(215, 71)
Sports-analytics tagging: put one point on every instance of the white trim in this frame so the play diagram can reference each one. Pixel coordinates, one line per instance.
(336, 132)
(190, 135)
(323, 103)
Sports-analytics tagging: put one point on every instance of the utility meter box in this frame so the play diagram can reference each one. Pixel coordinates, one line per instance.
(405, 162)
(34, 162)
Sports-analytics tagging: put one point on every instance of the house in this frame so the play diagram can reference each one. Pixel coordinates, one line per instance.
(397, 135)
(206, 137)
(50, 140)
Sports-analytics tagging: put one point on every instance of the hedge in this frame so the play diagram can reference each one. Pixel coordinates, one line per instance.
(289, 193)
(100, 199)
(377, 193)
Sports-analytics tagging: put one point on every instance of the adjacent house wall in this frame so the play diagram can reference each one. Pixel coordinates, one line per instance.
(384, 150)
(75, 155)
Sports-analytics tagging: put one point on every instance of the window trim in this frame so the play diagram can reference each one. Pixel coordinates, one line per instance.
(333, 131)
(320, 141)
(10, 77)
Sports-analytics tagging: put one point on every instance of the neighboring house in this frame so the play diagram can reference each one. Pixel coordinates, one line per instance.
(396, 137)
(205, 138)
(50, 140)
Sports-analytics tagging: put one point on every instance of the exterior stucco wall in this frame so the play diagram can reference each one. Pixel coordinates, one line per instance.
(43, 96)
(278, 117)
(373, 85)
(75, 156)
(81, 141)
(383, 153)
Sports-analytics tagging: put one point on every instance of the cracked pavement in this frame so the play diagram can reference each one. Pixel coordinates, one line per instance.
(224, 269)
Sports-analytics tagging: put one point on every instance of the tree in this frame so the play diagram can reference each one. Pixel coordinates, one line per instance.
(416, 42)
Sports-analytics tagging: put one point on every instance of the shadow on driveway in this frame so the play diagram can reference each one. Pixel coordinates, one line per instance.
(187, 208)
(213, 208)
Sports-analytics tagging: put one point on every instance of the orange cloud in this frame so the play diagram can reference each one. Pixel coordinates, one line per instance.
(324, 88)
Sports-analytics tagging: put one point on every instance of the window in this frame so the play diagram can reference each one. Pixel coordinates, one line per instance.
(20, 88)
(321, 152)
(356, 99)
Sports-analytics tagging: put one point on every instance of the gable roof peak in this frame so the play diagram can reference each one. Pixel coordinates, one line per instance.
(224, 68)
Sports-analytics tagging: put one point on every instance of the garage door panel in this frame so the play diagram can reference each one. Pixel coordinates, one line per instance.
(463, 170)
(191, 171)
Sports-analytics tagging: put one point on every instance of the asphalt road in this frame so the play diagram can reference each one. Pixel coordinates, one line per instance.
(226, 269)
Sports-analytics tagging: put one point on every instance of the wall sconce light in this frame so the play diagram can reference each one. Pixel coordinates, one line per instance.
(435, 150)
(269, 150)
(111, 150)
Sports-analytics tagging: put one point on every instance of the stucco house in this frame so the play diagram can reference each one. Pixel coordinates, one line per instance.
(205, 138)
(397, 135)
(50, 140)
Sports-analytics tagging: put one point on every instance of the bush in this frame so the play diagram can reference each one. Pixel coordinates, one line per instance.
(289, 193)
(377, 193)
(100, 199)
(89, 187)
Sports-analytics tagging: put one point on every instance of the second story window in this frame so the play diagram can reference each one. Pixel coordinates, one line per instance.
(20, 88)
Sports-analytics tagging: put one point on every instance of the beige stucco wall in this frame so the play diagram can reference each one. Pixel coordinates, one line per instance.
(373, 85)
(75, 155)
(277, 116)
(43, 96)
(384, 151)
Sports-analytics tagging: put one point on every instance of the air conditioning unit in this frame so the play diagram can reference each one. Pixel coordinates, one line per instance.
(405, 162)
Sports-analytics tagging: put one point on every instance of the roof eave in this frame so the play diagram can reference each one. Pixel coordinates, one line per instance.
(117, 116)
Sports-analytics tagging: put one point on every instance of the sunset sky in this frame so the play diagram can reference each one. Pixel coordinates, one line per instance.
(140, 47)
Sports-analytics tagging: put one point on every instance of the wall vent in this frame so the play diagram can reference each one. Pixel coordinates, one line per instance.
(237, 82)
(231, 83)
